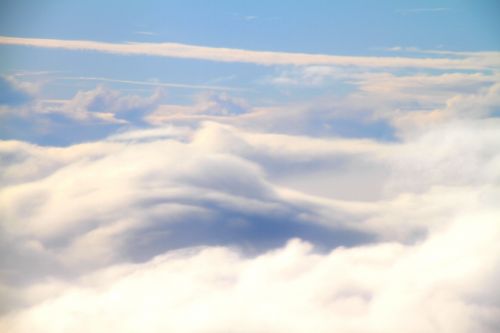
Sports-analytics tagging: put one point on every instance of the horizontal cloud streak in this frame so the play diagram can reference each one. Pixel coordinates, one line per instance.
(151, 83)
(177, 50)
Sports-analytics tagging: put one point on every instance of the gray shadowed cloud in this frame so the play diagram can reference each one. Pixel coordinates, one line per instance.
(159, 195)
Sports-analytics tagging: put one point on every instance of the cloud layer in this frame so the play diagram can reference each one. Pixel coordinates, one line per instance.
(184, 229)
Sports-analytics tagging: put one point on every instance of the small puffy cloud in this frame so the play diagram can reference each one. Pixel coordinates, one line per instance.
(306, 76)
(221, 104)
(101, 104)
(107, 105)
(206, 106)
(89, 115)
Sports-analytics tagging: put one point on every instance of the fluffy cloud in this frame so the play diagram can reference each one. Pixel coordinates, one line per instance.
(378, 104)
(104, 105)
(97, 105)
(149, 185)
(206, 106)
(436, 286)
(91, 232)
(88, 115)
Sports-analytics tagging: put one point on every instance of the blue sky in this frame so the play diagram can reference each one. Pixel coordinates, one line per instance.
(258, 166)
(271, 26)
(357, 28)
(455, 25)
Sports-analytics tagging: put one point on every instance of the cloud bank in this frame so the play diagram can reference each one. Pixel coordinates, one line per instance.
(188, 229)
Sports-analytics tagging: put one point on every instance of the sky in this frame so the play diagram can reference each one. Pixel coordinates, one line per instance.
(264, 166)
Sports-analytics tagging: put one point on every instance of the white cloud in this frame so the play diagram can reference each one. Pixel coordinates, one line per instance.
(53, 192)
(405, 102)
(435, 286)
(177, 50)
(206, 106)
(99, 105)
(105, 104)
(86, 213)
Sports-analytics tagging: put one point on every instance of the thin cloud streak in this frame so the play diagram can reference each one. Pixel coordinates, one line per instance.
(186, 51)
(152, 83)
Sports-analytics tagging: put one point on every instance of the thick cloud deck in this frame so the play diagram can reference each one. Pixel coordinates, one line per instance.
(90, 231)
(378, 288)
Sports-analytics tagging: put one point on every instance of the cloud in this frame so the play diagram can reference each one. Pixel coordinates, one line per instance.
(221, 104)
(375, 105)
(381, 82)
(104, 103)
(483, 102)
(176, 50)
(376, 288)
(153, 83)
(206, 106)
(155, 179)
(69, 211)
(382, 105)
(145, 33)
(14, 93)
(191, 222)
(88, 115)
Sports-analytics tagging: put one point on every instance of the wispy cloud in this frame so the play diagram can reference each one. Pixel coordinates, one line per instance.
(146, 33)
(176, 50)
(33, 73)
(250, 18)
(151, 83)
